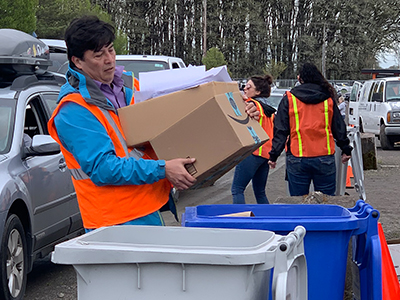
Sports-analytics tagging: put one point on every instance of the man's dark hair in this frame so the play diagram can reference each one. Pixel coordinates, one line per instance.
(87, 33)
(262, 84)
(309, 73)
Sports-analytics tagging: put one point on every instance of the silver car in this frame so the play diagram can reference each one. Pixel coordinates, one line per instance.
(38, 205)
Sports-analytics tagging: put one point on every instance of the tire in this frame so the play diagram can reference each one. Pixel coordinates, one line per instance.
(13, 260)
(386, 142)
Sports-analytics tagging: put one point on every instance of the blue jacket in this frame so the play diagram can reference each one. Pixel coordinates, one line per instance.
(85, 137)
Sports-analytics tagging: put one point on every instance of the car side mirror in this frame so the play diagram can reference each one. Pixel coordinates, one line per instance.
(42, 145)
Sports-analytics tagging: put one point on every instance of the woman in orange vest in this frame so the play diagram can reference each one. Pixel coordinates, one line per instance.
(309, 123)
(255, 167)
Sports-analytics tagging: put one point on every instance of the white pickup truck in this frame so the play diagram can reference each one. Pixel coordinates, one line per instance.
(147, 63)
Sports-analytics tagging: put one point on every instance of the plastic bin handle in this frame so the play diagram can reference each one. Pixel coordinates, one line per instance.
(290, 259)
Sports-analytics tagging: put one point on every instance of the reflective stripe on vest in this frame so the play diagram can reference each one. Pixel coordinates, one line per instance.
(267, 123)
(326, 109)
(296, 115)
(310, 127)
(260, 121)
(109, 204)
(78, 174)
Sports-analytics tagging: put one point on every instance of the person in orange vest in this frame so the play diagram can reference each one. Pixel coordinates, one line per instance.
(115, 184)
(309, 123)
(255, 167)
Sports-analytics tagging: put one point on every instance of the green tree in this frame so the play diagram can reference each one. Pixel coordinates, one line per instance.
(18, 14)
(275, 69)
(213, 58)
(54, 16)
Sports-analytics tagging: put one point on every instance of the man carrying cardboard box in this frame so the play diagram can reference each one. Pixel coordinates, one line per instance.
(114, 184)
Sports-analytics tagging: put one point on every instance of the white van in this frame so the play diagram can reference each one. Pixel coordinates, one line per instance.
(147, 63)
(379, 110)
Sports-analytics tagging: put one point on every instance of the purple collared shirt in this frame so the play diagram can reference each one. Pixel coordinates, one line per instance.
(114, 94)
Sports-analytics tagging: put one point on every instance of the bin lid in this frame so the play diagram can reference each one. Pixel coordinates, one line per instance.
(274, 217)
(146, 244)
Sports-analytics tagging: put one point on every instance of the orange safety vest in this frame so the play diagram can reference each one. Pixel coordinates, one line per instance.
(267, 123)
(110, 205)
(133, 84)
(310, 127)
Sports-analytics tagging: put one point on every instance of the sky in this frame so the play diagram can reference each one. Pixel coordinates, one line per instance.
(389, 60)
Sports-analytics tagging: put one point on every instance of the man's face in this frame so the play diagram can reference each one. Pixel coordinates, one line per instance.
(98, 65)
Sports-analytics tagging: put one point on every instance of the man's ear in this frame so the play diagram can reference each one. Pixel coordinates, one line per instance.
(77, 62)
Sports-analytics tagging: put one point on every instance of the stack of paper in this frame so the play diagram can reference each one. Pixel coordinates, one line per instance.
(158, 83)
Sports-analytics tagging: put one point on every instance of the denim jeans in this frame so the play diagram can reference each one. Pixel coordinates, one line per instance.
(153, 219)
(254, 168)
(302, 170)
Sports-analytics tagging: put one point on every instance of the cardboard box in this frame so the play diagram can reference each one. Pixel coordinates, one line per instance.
(218, 132)
(146, 120)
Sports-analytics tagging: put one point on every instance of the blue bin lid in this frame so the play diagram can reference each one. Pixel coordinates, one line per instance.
(276, 217)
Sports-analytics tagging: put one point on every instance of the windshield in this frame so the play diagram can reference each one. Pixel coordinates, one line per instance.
(6, 125)
(393, 91)
(138, 66)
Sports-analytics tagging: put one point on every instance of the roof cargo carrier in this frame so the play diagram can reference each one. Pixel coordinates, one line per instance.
(21, 54)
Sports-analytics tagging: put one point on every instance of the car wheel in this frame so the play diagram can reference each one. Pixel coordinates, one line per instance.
(386, 142)
(13, 259)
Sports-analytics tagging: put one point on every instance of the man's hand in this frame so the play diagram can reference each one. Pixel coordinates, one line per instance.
(177, 174)
(251, 110)
(272, 164)
(345, 158)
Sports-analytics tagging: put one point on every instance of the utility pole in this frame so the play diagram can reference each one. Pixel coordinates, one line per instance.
(204, 27)
(324, 51)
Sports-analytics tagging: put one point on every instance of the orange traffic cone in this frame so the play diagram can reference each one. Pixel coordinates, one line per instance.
(390, 282)
(349, 175)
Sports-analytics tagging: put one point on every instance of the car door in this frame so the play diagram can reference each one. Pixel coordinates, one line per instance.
(368, 115)
(354, 103)
(363, 103)
(377, 106)
(55, 209)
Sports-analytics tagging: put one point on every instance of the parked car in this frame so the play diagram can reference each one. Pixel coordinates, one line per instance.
(58, 55)
(148, 63)
(38, 205)
(379, 110)
(274, 99)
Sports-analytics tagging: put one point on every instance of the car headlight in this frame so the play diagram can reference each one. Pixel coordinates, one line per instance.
(394, 117)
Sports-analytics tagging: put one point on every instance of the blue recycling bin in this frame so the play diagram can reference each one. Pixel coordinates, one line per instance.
(329, 230)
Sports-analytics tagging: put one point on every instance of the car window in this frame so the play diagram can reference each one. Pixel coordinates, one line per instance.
(393, 91)
(58, 60)
(373, 90)
(138, 66)
(354, 91)
(7, 113)
(380, 89)
(51, 102)
(274, 100)
(175, 65)
(35, 118)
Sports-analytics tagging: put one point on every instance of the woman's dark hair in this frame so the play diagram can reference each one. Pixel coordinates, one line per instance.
(309, 73)
(87, 33)
(262, 84)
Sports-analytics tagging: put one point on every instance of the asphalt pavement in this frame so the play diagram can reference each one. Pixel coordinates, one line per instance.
(49, 281)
